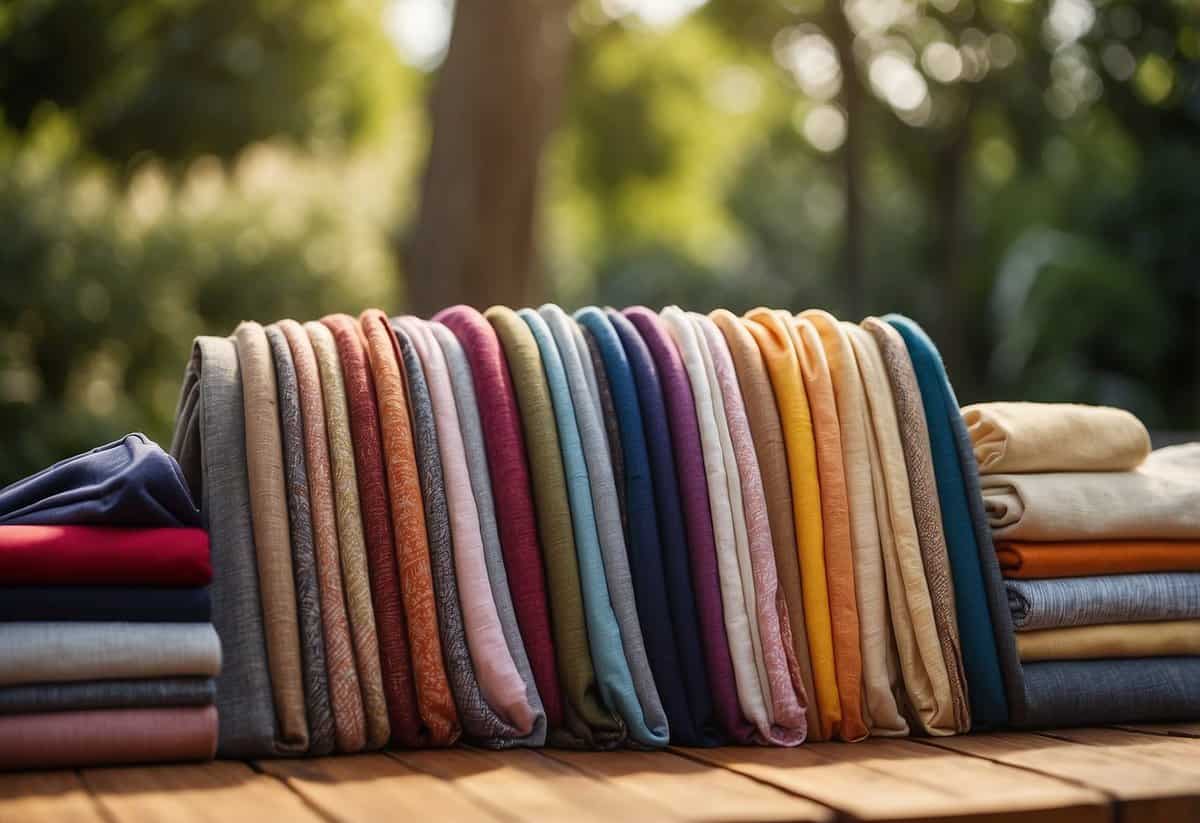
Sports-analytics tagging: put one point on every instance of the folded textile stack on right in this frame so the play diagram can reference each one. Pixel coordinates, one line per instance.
(1098, 539)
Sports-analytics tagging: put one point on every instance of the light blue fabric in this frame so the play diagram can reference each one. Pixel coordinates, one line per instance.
(1112, 598)
(613, 675)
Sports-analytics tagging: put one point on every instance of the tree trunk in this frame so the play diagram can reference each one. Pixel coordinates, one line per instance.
(496, 101)
(953, 225)
(852, 164)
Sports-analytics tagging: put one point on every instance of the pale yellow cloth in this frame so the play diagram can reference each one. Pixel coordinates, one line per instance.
(1167, 638)
(1054, 437)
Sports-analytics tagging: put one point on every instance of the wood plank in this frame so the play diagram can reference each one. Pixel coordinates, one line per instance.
(222, 792)
(1143, 789)
(374, 787)
(691, 789)
(899, 780)
(1169, 729)
(41, 797)
(522, 784)
(1178, 753)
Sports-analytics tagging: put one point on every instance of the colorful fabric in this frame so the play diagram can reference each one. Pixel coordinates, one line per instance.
(103, 556)
(1090, 601)
(1083, 558)
(1167, 638)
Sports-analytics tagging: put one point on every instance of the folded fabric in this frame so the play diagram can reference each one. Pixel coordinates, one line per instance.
(517, 528)
(103, 556)
(1095, 692)
(1054, 437)
(1088, 601)
(210, 445)
(107, 694)
(608, 415)
(69, 652)
(134, 604)
(107, 737)
(1095, 557)
(304, 560)
(1167, 638)
(129, 482)
(1159, 499)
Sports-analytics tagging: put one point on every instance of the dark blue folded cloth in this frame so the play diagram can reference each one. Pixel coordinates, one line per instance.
(1093, 692)
(129, 482)
(107, 694)
(128, 604)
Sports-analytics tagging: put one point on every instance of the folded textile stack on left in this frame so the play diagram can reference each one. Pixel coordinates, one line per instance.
(107, 649)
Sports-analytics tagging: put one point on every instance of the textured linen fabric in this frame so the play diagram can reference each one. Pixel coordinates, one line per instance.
(835, 514)
(774, 341)
(609, 522)
(132, 604)
(505, 443)
(51, 652)
(107, 694)
(210, 445)
(1089, 601)
(356, 579)
(439, 721)
(107, 737)
(702, 549)
(1095, 692)
(272, 539)
(129, 482)
(589, 721)
(765, 605)
(345, 692)
(927, 511)
(881, 669)
(608, 414)
(642, 526)
(1160, 499)
(1167, 638)
(613, 676)
(923, 667)
(367, 362)
(663, 502)
(1018, 438)
(473, 447)
(304, 561)
(103, 556)
(499, 680)
(1084, 558)
(771, 451)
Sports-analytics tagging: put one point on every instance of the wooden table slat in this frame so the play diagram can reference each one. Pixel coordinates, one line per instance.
(40, 797)
(1171, 729)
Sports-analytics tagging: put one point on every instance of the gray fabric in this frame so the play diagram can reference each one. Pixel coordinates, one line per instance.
(609, 416)
(481, 487)
(304, 561)
(108, 694)
(1089, 601)
(1094, 692)
(480, 722)
(585, 396)
(49, 652)
(210, 445)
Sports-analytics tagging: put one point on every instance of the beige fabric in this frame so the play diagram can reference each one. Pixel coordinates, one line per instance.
(1160, 499)
(1168, 638)
(922, 665)
(1054, 437)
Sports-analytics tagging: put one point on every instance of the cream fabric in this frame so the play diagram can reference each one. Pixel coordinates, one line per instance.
(1167, 638)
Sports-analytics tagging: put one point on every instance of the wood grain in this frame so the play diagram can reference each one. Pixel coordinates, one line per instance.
(40, 797)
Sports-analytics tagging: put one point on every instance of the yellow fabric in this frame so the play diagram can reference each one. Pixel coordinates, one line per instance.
(775, 344)
(1167, 638)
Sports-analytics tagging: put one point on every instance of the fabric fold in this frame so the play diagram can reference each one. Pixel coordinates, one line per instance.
(1107, 692)
(104, 556)
(1089, 601)
(1083, 558)
(107, 694)
(129, 604)
(1168, 638)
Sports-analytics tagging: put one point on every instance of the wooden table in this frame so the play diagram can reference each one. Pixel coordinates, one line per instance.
(1127, 774)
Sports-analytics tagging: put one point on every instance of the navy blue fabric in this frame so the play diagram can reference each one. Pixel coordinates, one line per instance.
(129, 482)
(981, 660)
(126, 604)
(647, 409)
(1094, 692)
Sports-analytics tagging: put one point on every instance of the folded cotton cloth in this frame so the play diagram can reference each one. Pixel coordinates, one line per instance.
(103, 556)
(108, 694)
(1030, 560)
(143, 604)
(1091, 692)
(1054, 437)
(1158, 499)
(1162, 639)
(1117, 598)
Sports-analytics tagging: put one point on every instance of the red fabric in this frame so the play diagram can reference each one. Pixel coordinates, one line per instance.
(103, 555)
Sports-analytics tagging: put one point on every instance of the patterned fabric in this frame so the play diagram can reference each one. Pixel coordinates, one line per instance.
(1089, 601)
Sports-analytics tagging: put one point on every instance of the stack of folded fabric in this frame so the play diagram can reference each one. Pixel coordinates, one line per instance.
(107, 651)
(1099, 542)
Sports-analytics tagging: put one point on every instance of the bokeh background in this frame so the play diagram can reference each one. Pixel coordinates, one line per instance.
(1021, 176)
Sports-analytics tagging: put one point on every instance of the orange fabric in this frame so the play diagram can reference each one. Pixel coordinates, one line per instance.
(1083, 558)
(435, 701)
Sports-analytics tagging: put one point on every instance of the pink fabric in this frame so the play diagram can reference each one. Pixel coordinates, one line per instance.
(495, 670)
(788, 700)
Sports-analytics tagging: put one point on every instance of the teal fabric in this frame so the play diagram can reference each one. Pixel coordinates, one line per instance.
(613, 676)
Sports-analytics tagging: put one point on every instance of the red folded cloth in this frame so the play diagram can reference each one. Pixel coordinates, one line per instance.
(100, 555)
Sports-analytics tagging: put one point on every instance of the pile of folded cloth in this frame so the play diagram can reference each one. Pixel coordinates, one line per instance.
(1098, 539)
(107, 649)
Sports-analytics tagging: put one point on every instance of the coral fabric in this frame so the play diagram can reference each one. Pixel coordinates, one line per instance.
(1083, 558)
(99, 555)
